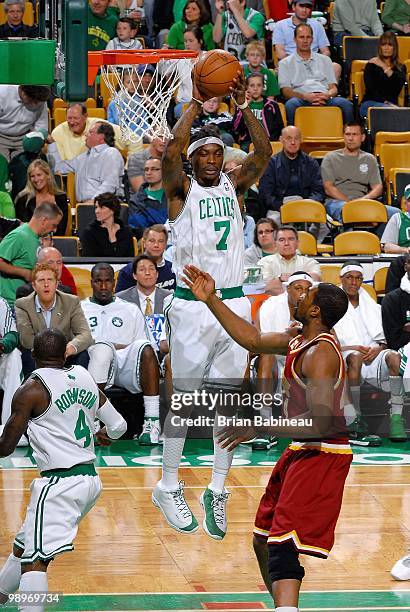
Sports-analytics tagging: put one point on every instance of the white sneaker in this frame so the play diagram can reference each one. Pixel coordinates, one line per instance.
(174, 508)
(401, 569)
(150, 432)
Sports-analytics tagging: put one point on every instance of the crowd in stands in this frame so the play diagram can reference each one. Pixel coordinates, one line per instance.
(293, 60)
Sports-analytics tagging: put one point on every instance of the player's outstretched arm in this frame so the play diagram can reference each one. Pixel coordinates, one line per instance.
(29, 399)
(174, 179)
(114, 424)
(256, 162)
(202, 286)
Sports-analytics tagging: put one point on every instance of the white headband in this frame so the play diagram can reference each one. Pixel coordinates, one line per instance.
(351, 268)
(202, 142)
(299, 277)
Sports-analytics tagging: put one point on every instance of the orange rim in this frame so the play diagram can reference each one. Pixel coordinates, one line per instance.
(114, 57)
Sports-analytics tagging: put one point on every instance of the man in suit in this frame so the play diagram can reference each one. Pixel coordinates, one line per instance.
(145, 294)
(48, 308)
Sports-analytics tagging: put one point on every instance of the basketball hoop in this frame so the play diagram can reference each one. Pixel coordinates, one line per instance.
(155, 75)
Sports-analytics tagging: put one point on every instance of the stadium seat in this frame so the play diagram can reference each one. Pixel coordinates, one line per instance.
(379, 280)
(303, 211)
(399, 178)
(356, 243)
(105, 93)
(60, 103)
(135, 243)
(381, 119)
(330, 273)
(362, 213)
(84, 214)
(394, 156)
(60, 114)
(256, 302)
(358, 48)
(283, 112)
(404, 48)
(391, 138)
(82, 278)
(370, 290)
(67, 184)
(307, 243)
(69, 246)
(276, 145)
(320, 127)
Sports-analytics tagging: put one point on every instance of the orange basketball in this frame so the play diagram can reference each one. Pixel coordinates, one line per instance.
(215, 71)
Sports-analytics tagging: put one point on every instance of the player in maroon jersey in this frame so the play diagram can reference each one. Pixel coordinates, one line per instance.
(301, 504)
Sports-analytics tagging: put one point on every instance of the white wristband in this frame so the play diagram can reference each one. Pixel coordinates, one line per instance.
(242, 106)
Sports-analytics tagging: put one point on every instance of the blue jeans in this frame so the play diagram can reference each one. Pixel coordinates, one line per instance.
(345, 106)
(334, 209)
(366, 105)
(338, 36)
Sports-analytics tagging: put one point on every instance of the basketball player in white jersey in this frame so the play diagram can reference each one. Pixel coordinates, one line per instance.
(59, 407)
(123, 352)
(207, 230)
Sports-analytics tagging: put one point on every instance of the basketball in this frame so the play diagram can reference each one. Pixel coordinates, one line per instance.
(215, 71)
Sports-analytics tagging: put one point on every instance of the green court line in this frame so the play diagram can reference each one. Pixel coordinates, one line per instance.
(338, 601)
(198, 453)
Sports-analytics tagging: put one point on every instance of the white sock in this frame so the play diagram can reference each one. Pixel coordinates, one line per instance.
(33, 581)
(172, 452)
(396, 390)
(355, 391)
(222, 463)
(286, 609)
(350, 413)
(10, 575)
(151, 406)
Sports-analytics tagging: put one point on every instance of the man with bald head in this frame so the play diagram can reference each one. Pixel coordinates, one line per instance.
(290, 175)
(65, 280)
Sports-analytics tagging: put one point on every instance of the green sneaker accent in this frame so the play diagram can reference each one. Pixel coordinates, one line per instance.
(359, 436)
(150, 432)
(175, 509)
(397, 431)
(264, 443)
(214, 504)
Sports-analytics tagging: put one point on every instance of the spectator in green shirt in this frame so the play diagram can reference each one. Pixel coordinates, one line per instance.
(18, 249)
(237, 26)
(194, 13)
(396, 15)
(102, 24)
(255, 56)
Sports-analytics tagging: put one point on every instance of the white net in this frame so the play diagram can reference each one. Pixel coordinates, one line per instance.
(142, 94)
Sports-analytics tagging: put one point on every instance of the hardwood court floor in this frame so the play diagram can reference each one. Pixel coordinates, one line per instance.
(127, 558)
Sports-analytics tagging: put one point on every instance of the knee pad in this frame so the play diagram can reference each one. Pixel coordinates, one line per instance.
(283, 562)
(101, 356)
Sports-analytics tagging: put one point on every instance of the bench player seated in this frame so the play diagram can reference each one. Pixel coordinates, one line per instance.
(276, 314)
(58, 405)
(122, 353)
(367, 358)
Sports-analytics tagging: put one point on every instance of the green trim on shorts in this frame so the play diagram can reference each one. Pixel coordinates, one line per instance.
(223, 294)
(38, 526)
(81, 469)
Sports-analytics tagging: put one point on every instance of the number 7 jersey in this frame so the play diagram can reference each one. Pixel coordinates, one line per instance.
(208, 233)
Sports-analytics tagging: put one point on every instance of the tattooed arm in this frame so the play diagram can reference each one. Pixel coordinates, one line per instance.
(174, 179)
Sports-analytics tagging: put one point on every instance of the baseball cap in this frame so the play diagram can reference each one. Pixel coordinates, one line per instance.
(407, 192)
(311, 2)
(33, 141)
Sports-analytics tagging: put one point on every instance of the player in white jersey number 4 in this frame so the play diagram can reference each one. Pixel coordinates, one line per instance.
(207, 230)
(59, 407)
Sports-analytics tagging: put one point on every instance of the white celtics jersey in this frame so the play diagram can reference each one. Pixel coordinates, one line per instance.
(63, 435)
(119, 322)
(208, 233)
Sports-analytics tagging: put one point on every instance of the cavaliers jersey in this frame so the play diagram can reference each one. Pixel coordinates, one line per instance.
(63, 435)
(295, 405)
(208, 233)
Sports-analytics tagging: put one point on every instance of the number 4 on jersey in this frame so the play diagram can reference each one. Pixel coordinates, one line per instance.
(226, 227)
(82, 430)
